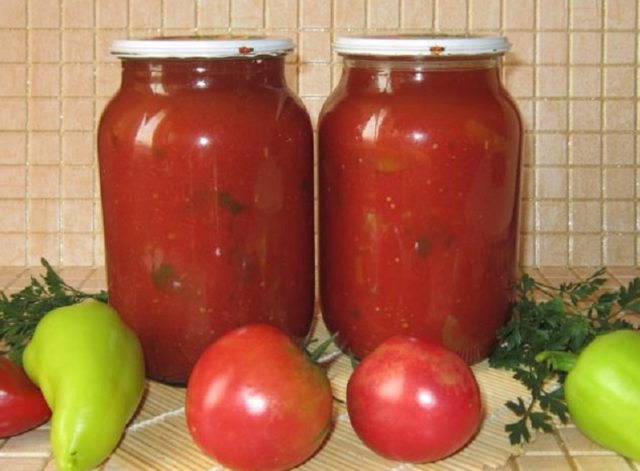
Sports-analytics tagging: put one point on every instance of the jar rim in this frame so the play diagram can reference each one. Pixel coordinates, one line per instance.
(183, 47)
(421, 45)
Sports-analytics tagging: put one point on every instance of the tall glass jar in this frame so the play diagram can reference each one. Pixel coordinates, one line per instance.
(419, 193)
(206, 173)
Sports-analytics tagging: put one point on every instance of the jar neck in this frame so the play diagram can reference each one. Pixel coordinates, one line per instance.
(386, 74)
(166, 76)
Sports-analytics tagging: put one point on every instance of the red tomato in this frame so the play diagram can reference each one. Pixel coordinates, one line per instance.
(412, 400)
(255, 402)
(22, 406)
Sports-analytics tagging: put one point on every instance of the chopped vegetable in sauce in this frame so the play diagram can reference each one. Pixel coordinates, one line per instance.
(229, 202)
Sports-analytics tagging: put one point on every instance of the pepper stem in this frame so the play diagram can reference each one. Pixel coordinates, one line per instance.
(562, 361)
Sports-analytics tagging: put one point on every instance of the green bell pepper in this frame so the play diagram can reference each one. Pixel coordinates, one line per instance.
(90, 368)
(602, 390)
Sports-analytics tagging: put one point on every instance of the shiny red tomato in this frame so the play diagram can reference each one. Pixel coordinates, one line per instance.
(22, 406)
(255, 402)
(414, 401)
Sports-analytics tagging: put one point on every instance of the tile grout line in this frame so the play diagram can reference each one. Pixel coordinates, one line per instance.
(435, 22)
(566, 452)
(27, 123)
(603, 224)
(95, 197)
(61, 117)
(162, 16)
(467, 26)
(636, 92)
(284, 28)
(570, 242)
(366, 14)
(533, 175)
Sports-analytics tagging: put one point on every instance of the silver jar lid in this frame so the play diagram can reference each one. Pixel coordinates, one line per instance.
(201, 47)
(410, 45)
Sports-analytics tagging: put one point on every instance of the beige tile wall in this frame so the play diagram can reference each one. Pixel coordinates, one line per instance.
(573, 69)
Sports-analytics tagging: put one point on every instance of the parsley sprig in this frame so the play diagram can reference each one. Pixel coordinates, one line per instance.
(560, 319)
(20, 312)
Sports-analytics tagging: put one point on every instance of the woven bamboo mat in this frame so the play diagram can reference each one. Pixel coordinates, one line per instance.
(158, 439)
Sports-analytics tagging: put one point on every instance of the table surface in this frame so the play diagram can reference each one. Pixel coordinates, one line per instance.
(157, 437)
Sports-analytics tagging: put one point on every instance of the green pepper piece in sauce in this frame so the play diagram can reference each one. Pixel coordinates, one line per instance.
(226, 200)
(388, 164)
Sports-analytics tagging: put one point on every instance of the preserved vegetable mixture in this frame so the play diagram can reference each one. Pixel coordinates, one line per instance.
(206, 173)
(419, 192)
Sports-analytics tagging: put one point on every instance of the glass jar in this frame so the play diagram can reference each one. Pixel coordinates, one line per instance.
(206, 174)
(419, 170)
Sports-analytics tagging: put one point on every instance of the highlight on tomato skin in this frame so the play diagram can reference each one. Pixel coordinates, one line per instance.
(414, 401)
(255, 402)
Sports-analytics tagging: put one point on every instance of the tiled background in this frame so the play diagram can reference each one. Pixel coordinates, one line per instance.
(573, 69)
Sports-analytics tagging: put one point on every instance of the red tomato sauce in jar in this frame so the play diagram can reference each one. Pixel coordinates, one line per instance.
(206, 172)
(419, 171)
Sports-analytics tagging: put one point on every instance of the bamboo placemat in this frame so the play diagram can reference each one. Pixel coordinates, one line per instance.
(158, 439)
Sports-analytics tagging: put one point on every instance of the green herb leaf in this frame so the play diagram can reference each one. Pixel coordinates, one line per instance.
(541, 421)
(554, 402)
(518, 432)
(517, 408)
(162, 275)
(354, 361)
(633, 307)
(630, 293)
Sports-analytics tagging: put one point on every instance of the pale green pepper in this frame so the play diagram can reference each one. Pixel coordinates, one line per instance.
(90, 368)
(602, 390)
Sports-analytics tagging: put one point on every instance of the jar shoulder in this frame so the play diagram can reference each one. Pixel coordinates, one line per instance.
(198, 110)
(424, 110)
